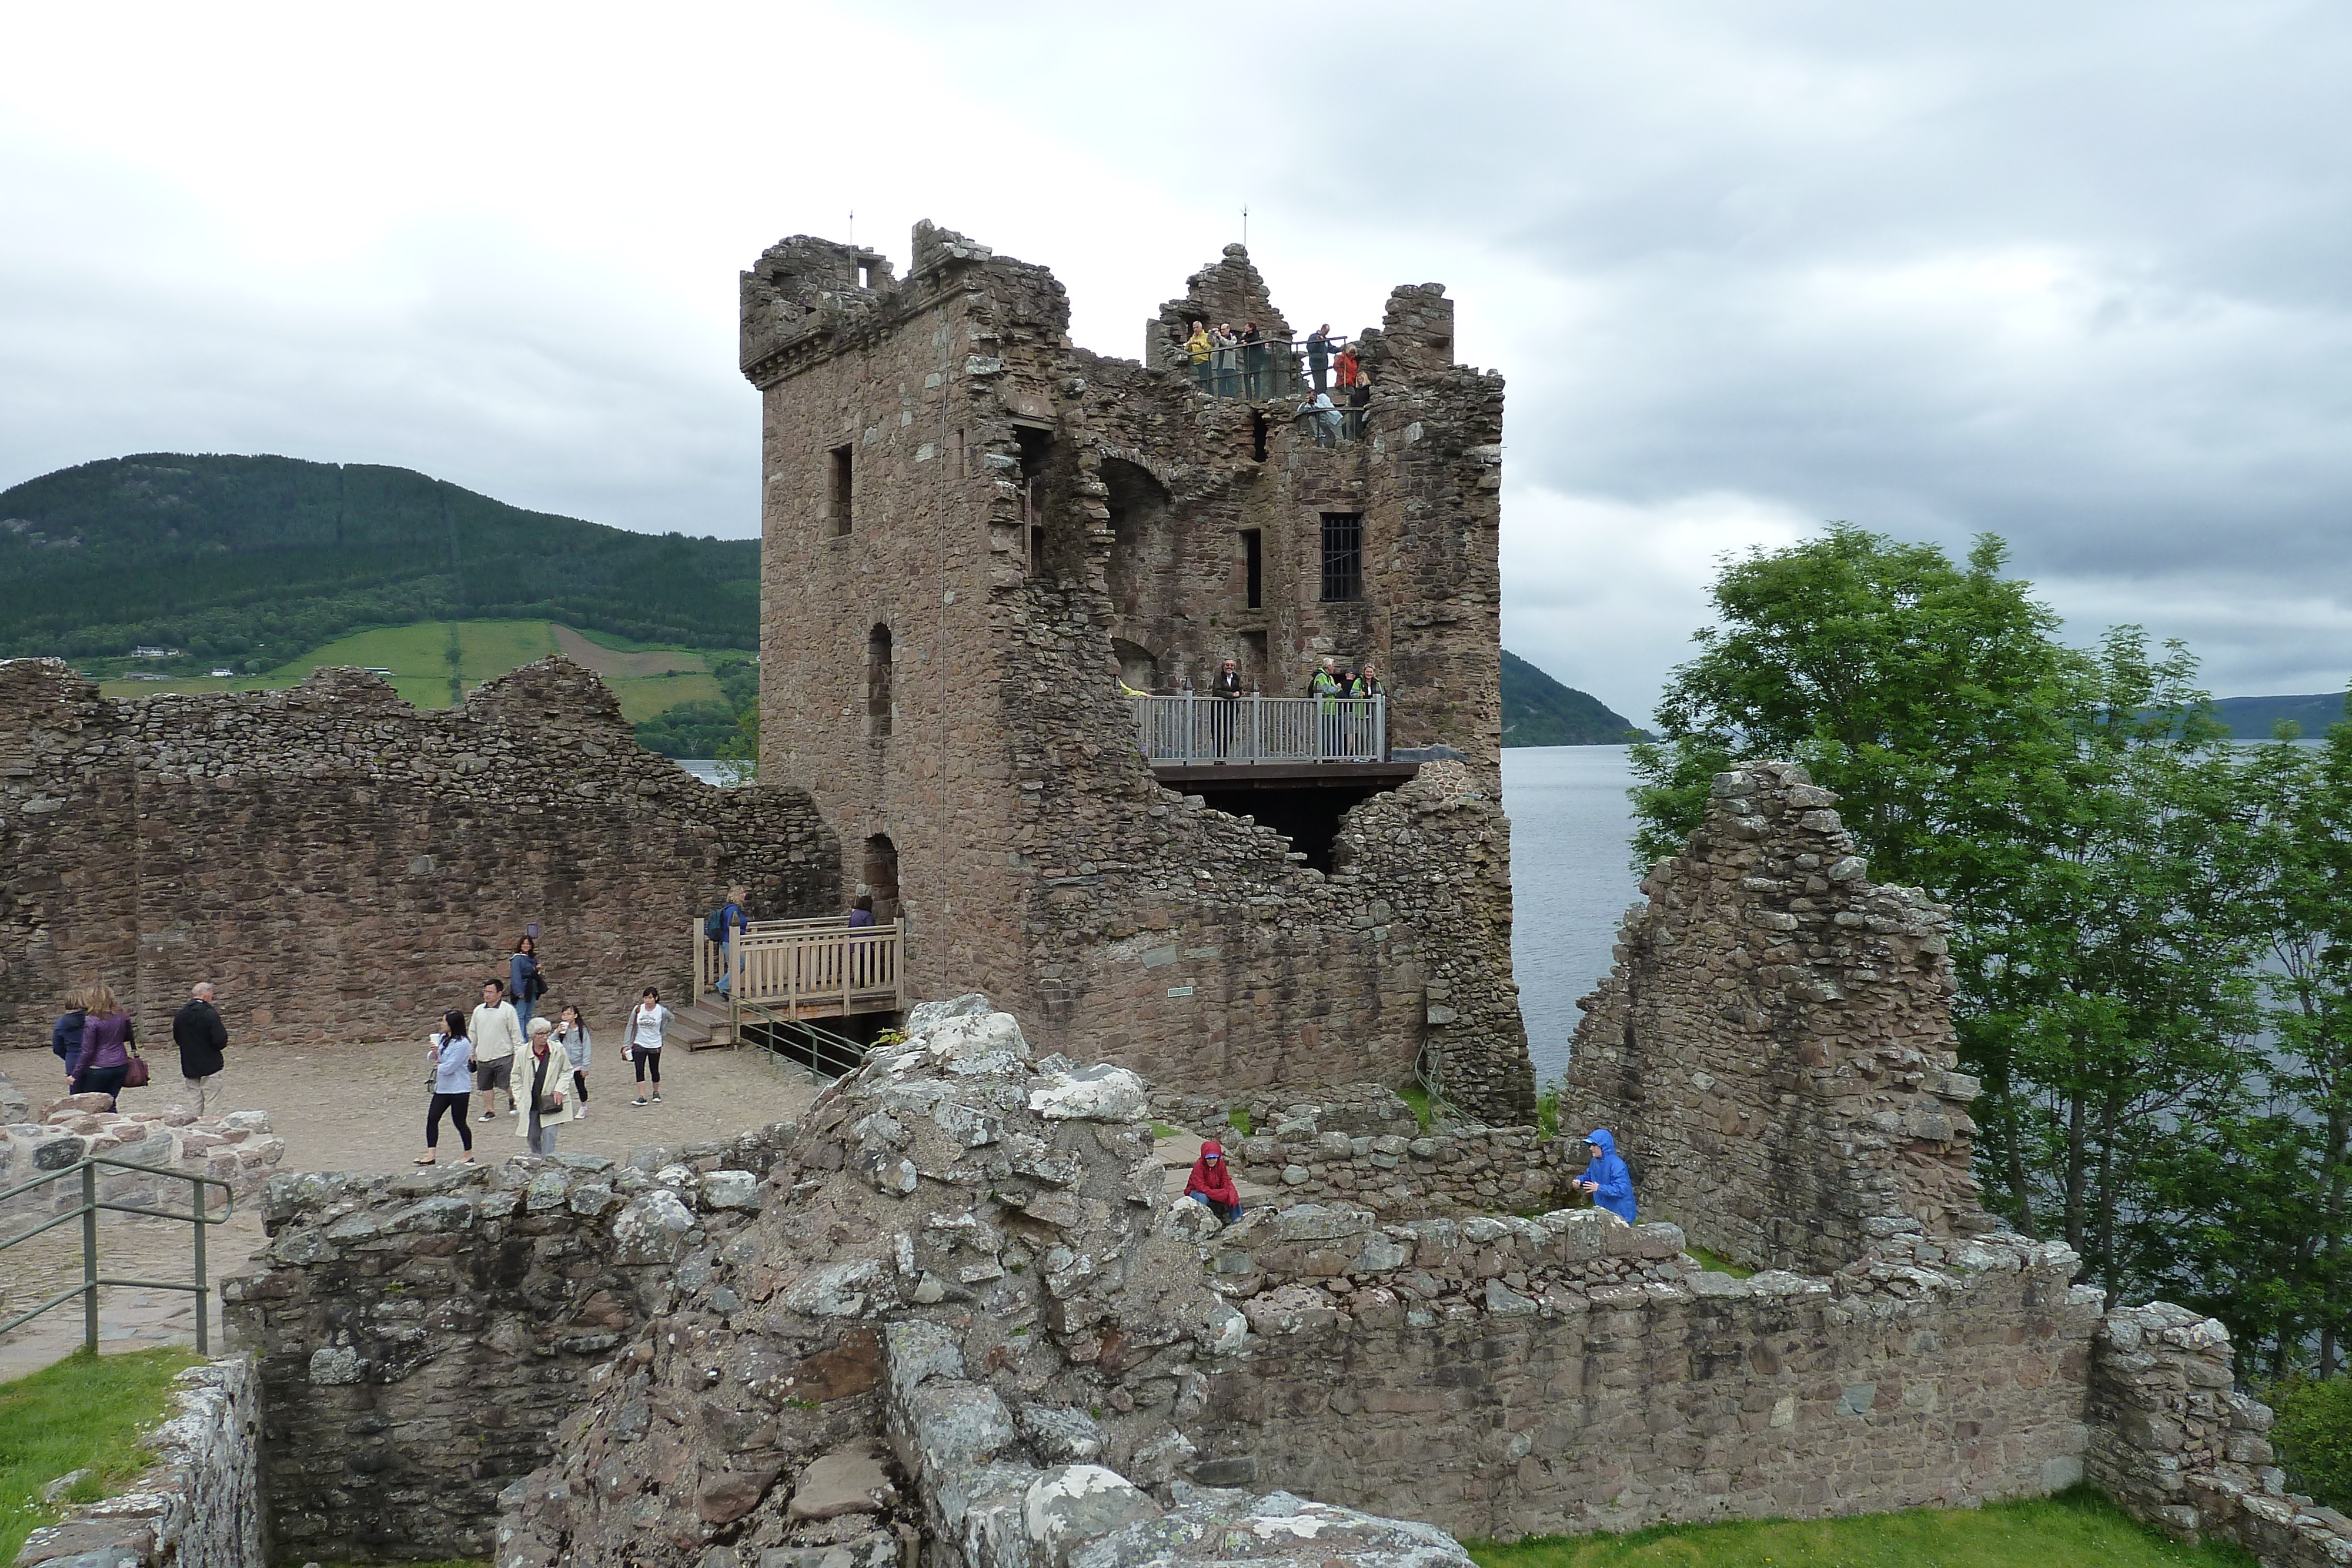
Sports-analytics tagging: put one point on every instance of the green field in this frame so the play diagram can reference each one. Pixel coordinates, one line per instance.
(85, 1412)
(2080, 1529)
(435, 662)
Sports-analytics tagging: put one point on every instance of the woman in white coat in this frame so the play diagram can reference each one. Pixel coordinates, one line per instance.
(543, 1082)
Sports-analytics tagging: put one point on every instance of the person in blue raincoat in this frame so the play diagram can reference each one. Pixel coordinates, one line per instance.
(1606, 1180)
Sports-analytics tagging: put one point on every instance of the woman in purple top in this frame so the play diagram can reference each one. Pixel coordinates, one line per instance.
(861, 910)
(104, 1059)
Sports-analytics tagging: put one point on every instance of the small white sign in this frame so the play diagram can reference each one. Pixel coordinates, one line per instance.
(1180, 990)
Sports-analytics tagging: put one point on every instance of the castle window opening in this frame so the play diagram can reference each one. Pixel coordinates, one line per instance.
(1257, 434)
(1253, 567)
(1343, 557)
(1036, 549)
(837, 490)
(865, 275)
(1036, 452)
(877, 682)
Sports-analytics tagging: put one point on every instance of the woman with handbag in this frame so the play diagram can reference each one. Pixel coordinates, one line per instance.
(108, 1059)
(550, 1093)
(452, 1056)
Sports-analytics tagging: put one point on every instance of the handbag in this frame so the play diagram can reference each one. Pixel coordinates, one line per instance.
(549, 1105)
(135, 1075)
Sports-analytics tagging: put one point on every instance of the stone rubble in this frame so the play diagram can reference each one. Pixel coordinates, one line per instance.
(239, 1148)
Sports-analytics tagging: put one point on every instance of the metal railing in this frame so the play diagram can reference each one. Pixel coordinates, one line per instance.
(1279, 367)
(820, 1052)
(88, 1211)
(1191, 730)
(823, 967)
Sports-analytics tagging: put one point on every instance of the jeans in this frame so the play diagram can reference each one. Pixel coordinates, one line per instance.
(195, 1087)
(101, 1080)
(541, 1139)
(1228, 1212)
(454, 1104)
(522, 1016)
(1319, 368)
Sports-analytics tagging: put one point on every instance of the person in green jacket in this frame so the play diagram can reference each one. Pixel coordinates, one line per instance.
(1325, 685)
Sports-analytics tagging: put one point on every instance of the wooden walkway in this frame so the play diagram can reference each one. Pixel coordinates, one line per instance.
(816, 968)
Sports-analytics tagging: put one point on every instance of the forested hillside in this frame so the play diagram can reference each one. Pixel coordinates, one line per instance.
(232, 556)
(1540, 711)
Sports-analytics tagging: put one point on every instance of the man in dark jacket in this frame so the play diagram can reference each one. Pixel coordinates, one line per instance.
(198, 1032)
(65, 1035)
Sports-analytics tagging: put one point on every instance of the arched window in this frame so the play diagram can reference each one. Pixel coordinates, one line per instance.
(877, 682)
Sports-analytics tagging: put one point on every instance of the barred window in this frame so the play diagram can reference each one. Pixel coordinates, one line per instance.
(1343, 556)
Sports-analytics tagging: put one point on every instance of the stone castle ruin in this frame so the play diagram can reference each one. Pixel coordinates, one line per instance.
(957, 1316)
(973, 531)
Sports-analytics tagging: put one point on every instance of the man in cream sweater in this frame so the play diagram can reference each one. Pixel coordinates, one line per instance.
(497, 1035)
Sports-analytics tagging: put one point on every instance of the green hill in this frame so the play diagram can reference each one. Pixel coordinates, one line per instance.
(1539, 711)
(226, 557)
(2253, 718)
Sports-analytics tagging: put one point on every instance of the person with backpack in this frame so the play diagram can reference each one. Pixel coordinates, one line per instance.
(525, 983)
(724, 923)
(451, 1055)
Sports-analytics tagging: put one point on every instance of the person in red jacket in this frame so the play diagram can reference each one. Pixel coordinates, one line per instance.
(1213, 1184)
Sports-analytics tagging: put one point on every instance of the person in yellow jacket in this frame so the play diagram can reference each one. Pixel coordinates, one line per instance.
(543, 1082)
(1196, 347)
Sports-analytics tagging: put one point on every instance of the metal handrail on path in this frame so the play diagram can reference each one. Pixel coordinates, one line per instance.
(87, 1168)
(828, 1055)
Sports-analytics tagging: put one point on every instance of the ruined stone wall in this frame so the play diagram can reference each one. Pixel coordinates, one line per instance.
(1774, 1050)
(420, 1336)
(1504, 1376)
(966, 1252)
(197, 1505)
(2176, 1445)
(239, 1148)
(1360, 1145)
(1037, 856)
(341, 864)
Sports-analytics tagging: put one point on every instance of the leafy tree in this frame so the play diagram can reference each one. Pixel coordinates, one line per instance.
(2067, 804)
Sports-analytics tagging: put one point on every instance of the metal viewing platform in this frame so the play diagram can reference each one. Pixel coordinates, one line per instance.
(1189, 730)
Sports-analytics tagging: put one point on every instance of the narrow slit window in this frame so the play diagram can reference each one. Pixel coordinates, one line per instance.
(1036, 550)
(1343, 557)
(878, 708)
(1254, 569)
(837, 490)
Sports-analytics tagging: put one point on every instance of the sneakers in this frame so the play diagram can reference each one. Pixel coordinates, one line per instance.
(638, 1101)
(514, 1110)
(490, 1115)
(581, 1115)
(656, 1099)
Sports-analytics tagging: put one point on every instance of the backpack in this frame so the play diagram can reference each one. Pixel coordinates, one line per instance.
(715, 928)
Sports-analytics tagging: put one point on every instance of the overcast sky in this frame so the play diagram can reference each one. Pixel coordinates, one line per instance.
(2079, 275)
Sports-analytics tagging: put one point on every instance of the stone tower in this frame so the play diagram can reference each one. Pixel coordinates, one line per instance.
(974, 532)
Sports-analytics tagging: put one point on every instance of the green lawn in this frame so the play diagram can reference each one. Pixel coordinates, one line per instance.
(424, 657)
(2076, 1528)
(83, 1412)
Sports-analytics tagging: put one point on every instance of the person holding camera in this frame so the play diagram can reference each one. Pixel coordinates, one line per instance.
(1606, 1181)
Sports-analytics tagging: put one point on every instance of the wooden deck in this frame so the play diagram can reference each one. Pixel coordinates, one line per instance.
(814, 969)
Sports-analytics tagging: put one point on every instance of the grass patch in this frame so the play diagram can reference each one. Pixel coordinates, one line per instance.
(2078, 1527)
(1548, 1110)
(86, 1412)
(435, 662)
(1715, 1262)
(1415, 1095)
(1238, 1118)
(1162, 1130)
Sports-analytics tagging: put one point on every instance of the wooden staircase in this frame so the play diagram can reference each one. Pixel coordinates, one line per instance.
(700, 1024)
